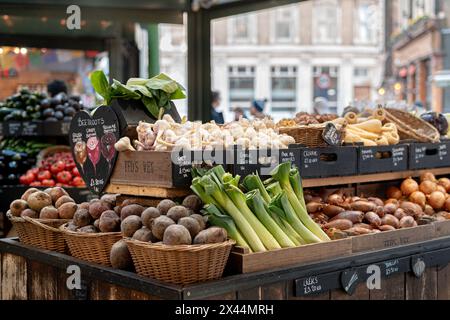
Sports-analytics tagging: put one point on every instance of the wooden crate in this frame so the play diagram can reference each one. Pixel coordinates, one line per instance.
(390, 239)
(241, 261)
(442, 228)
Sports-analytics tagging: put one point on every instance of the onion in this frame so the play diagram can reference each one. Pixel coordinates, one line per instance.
(428, 187)
(389, 208)
(394, 201)
(400, 213)
(313, 207)
(441, 189)
(436, 200)
(447, 204)
(335, 199)
(429, 211)
(418, 197)
(409, 186)
(445, 182)
(393, 193)
(427, 176)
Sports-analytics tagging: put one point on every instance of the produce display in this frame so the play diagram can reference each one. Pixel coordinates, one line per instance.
(17, 156)
(372, 132)
(27, 105)
(271, 215)
(52, 203)
(438, 120)
(304, 118)
(57, 169)
(165, 134)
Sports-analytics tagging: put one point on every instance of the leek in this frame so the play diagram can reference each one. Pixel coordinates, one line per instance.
(244, 224)
(274, 189)
(238, 198)
(217, 218)
(287, 229)
(295, 180)
(253, 182)
(281, 174)
(256, 203)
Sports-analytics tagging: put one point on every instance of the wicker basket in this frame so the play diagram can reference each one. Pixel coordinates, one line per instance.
(181, 264)
(49, 151)
(412, 127)
(310, 135)
(91, 247)
(40, 233)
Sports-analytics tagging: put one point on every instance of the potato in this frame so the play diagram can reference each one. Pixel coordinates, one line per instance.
(130, 225)
(176, 234)
(177, 212)
(117, 210)
(191, 224)
(82, 218)
(97, 224)
(27, 193)
(192, 202)
(49, 212)
(87, 229)
(211, 235)
(17, 207)
(62, 200)
(131, 210)
(71, 226)
(390, 220)
(110, 198)
(84, 205)
(56, 193)
(148, 215)
(47, 190)
(200, 220)
(127, 202)
(165, 205)
(29, 213)
(67, 210)
(96, 208)
(159, 226)
(407, 222)
(109, 221)
(143, 234)
(38, 200)
(120, 256)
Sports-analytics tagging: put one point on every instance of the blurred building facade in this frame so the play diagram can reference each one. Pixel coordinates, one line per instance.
(419, 48)
(292, 56)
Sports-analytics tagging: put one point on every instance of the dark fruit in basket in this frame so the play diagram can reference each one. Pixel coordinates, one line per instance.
(211, 235)
(165, 205)
(62, 200)
(69, 111)
(143, 234)
(27, 193)
(87, 229)
(131, 210)
(177, 212)
(148, 215)
(45, 103)
(199, 219)
(51, 119)
(82, 218)
(56, 193)
(67, 210)
(29, 213)
(130, 225)
(17, 207)
(49, 212)
(438, 120)
(71, 226)
(39, 200)
(120, 257)
(193, 202)
(109, 221)
(176, 235)
(59, 107)
(48, 113)
(96, 208)
(191, 224)
(110, 198)
(59, 115)
(160, 225)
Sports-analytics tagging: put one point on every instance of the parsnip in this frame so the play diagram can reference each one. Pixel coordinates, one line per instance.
(362, 133)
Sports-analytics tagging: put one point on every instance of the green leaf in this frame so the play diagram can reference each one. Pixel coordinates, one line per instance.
(121, 91)
(163, 99)
(151, 106)
(178, 94)
(101, 85)
(137, 82)
(140, 88)
(162, 82)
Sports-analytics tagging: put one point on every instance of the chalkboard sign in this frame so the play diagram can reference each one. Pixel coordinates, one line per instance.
(245, 161)
(429, 155)
(382, 159)
(331, 135)
(92, 140)
(13, 129)
(328, 162)
(316, 284)
(31, 129)
(181, 168)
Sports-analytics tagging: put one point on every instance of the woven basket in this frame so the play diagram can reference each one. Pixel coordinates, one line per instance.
(91, 247)
(310, 135)
(412, 127)
(40, 233)
(49, 151)
(180, 264)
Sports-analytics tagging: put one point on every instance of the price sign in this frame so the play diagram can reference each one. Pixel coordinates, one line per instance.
(316, 284)
(331, 135)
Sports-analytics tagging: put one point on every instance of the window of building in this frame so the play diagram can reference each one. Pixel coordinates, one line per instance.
(241, 81)
(421, 8)
(284, 90)
(368, 22)
(284, 24)
(242, 29)
(327, 22)
(361, 72)
(325, 82)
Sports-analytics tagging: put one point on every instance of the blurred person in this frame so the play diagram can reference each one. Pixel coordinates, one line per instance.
(320, 105)
(239, 113)
(216, 114)
(55, 87)
(257, 109)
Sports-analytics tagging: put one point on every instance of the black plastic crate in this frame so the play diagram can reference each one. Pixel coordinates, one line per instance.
(328, 162)
(429, 155)
(382, 159)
